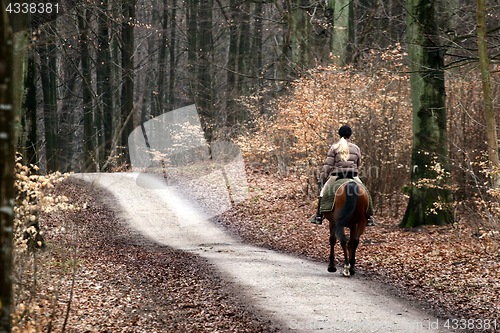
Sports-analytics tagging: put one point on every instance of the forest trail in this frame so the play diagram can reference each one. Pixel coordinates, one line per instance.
(298, 294)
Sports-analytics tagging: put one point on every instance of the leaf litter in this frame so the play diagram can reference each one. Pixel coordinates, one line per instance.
(124, 282)
(451, 270)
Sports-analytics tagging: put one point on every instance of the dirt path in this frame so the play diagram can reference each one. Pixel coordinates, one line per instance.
(300, 295)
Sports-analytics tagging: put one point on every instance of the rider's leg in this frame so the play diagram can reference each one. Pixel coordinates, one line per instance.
(329, 182)
(318, 219)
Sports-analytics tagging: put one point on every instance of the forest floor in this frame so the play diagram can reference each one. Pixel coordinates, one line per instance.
(123, 282)
(120, 275)
(453, 269)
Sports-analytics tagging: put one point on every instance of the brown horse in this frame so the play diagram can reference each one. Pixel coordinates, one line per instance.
(349, 211)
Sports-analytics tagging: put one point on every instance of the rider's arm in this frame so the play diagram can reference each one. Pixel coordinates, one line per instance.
(328, 166)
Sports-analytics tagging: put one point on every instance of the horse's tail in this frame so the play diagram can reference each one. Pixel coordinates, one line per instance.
(351, 192)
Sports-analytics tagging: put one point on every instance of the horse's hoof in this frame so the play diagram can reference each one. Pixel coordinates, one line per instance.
(347, 270)
(332, 269)
(352, 271)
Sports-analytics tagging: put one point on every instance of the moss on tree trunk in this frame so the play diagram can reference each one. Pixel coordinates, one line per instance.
(430, 196)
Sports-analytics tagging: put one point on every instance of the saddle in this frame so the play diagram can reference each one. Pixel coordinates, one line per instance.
(328, 199)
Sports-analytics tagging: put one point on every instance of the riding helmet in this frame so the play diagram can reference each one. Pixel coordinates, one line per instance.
(345, 131)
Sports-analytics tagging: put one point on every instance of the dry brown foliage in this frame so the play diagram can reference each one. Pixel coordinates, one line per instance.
(296, 134)
(35, 196)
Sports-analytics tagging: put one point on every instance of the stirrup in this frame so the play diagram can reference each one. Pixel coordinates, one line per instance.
(317, 219)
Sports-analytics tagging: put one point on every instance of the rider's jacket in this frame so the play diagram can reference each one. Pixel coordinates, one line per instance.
(334, 165)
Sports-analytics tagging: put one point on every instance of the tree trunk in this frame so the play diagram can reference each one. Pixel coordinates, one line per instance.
(257, 46)
(489, 111)
(301, 48)
(171, 79)
(343, 33)
(192, 36)
(257, 53)
(430, 195)
(450, 12)
(331, 22)
(116, 80)
(48, 70)
(67, 126)
(148, 95)
(244, 50)
(20, 50)
(7, 155)
(204, 82)
(127, 97)
(368, 27)
(162, 61)
(205, 59)
(103, 69)
(89, 160)
(231, 64)
(30, 126)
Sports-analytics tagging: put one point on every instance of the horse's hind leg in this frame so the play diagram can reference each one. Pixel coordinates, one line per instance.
(347, 266)
(352, 246)
(331, 264)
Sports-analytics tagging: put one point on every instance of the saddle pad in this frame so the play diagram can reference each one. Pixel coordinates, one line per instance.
(328, 198)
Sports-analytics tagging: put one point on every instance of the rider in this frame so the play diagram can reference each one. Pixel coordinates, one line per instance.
(342, 161)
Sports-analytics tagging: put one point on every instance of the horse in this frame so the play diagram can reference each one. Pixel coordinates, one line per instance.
(349, 211)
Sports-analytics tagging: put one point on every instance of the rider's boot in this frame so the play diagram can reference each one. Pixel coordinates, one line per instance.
(318, 218)
(371, 221)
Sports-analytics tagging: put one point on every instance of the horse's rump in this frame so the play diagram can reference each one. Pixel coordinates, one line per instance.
(351, 203)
